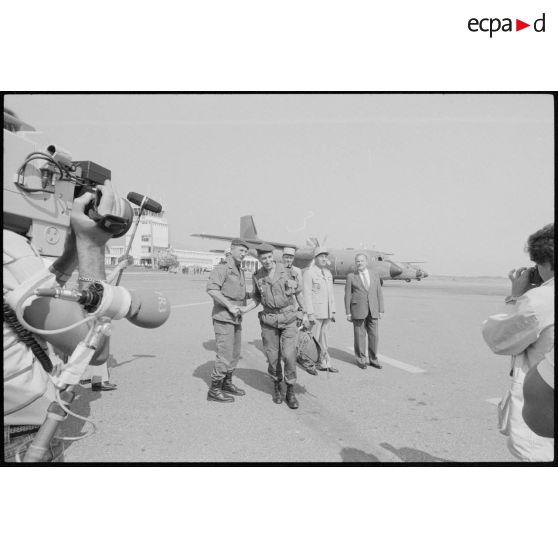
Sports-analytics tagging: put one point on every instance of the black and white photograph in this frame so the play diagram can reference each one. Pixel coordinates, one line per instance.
(252, 278)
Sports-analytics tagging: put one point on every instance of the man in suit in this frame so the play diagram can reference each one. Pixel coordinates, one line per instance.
(364, 305)
(320, 303)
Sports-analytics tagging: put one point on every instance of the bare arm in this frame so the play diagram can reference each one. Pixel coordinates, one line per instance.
(91, 239)
(223, 301)
(300, 301)
(84, 247)
(255, 299)
(65, 265)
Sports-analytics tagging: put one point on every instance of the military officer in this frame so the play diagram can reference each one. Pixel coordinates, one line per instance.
(320, 303)
(227, 287)
(288, 259)
(278, 289)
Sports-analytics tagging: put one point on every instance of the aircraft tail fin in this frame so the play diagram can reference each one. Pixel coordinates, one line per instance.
(247, 228)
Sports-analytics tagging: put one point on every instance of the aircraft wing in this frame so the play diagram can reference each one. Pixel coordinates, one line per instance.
(213, 236)
(251, 241)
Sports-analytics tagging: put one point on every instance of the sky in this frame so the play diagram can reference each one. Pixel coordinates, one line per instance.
(457, 181)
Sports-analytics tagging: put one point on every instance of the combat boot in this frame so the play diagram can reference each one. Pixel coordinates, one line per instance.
(277, 393)
(229, 387)
(216, 394)
(290, 398)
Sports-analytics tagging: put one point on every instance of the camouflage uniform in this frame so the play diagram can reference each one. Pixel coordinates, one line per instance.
(278, 319)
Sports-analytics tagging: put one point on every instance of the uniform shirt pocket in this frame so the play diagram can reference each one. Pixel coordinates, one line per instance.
(316, 286)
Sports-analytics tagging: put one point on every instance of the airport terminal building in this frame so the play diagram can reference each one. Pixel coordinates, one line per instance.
(152, 241)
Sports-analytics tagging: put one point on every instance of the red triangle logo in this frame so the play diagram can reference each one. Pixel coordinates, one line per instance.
(519, 25)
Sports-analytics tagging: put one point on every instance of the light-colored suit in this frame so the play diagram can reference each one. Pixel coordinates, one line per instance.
(364, 306)
(319, 302)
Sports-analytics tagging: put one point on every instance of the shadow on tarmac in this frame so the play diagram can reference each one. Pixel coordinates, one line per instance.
(353, 455)
(210, 345)
(407, 455)
(411, 455)
(113, 363)
(204, 372)
(251, 377)
(258, 344)
(81, 406)
(255, 379)
(343, 356)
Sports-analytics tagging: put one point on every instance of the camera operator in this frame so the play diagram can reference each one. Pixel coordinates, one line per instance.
(28, 390)
(524, 329)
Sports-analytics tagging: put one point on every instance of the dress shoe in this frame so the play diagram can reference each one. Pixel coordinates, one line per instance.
(332, 369)
(361, 365)
(375, 364)
(290, 398)
(103, 386)
(312, 371)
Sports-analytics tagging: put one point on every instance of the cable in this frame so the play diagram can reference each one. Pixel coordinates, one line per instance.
(85, 419)
(21, 320)
(66, 409)
(35, 156)
(26, 337)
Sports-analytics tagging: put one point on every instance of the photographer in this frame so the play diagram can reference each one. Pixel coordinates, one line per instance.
(28, 390)
(525, 330)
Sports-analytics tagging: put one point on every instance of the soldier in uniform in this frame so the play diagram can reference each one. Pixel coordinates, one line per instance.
(320, 303)
(227, 288)
(279, 290)
(288, 259)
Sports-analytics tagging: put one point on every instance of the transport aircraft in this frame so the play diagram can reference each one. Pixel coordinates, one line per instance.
(341, 259)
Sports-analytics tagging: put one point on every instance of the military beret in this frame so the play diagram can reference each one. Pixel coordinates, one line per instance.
(320, 250)
(289, 251)
(265, 248)
(239, 242)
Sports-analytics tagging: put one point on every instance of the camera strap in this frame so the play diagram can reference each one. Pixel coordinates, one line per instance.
(112, 224)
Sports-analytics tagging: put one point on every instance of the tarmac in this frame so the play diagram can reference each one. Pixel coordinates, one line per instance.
(434, 401)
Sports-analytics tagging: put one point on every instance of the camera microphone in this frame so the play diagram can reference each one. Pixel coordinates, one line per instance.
(144, 308)
(149, 205)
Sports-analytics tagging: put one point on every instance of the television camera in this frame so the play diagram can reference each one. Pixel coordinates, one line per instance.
(40, 183)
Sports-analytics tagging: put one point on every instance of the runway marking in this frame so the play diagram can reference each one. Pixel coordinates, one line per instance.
(403, 365)
(494, 400)
(191, 304)
(398, 364)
